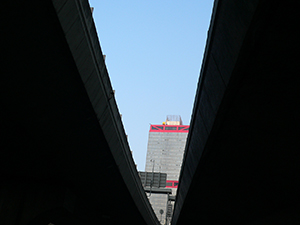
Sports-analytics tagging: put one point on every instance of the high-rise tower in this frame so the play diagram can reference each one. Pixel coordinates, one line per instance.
(166, 145)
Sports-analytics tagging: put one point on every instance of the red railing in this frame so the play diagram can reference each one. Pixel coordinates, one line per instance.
(169, 128)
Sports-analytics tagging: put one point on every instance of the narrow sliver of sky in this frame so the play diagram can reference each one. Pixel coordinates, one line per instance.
(154, 52)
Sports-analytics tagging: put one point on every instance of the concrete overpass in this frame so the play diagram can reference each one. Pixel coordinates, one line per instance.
(64, 155)
(241, 164)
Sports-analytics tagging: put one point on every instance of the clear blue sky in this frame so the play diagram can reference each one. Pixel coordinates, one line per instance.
(153, 54)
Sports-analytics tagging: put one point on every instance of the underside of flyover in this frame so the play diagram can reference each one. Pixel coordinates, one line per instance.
(241, 164)
(64, 155)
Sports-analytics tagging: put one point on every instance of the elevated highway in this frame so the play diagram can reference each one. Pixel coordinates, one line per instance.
(64, 155)
(241, 164)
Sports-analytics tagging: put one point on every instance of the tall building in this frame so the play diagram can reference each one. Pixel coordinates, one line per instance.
(166, 146)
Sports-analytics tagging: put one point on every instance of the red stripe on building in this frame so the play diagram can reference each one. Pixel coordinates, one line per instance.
(172, 184)
(170, 128)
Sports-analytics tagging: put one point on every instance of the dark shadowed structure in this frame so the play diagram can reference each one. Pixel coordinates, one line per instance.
(241, 164)
(64, 155)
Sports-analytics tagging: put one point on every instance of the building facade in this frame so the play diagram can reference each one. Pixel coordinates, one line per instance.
(166, 146)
